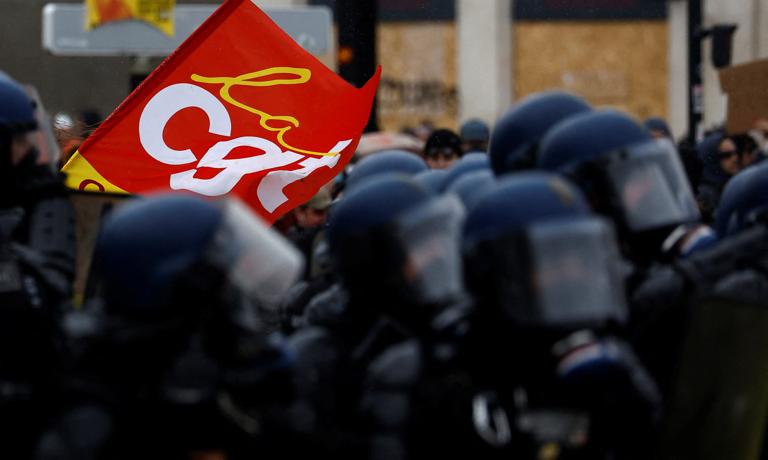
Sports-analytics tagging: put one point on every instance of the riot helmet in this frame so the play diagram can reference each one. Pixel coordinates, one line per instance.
(387, 162)
(472, 186)
(172, 264)
(744, 201)
(17, 110)
(637, 181)
(657, 127)
(396, 244)
(475, 135)
(17, 118)
(534, 252)
(432, 179)
(469, 163)
(515, 138)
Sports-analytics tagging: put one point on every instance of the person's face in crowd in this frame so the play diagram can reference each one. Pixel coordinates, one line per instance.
(441, 159)
(308, 217)
(658, 134)
(729, 157)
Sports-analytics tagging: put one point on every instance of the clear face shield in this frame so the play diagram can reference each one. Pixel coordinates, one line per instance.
(563, 274)
(44, 138)
(649, 181)
(430, 238)
(256, 260)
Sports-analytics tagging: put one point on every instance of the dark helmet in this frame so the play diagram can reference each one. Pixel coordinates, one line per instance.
(475, 134)
(627, 175)
(432, 179)
(17, 110)
(474, 130)
(17, 115)
(187, 285)
(744, 201)
(471, 186)
(534, 251)
(395, 242)
(588, 136)
(659, 125)
(184, 279)
(148, 248)
(387, 162)
(516, 136)
(470, 162)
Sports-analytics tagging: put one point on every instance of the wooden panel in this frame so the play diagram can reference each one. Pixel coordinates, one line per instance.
(617, 64)
(419, 74)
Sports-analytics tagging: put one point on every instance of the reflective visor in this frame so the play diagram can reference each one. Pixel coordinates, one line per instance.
(430, 237)
(651, 184)
(257, 260)
(574, 273)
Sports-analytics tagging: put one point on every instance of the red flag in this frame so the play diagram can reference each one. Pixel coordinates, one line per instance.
(238, 108)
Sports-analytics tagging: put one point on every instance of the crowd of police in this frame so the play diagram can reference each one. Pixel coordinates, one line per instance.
(576, 287)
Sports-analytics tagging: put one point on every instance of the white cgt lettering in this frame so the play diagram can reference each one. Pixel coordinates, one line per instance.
(171, 100)
(271, 188)
(233, 170)
(165, 105)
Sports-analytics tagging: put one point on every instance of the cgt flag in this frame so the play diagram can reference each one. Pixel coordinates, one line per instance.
(238, 108)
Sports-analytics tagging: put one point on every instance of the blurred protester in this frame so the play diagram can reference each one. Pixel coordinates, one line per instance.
(749, 151)
(68, 136)
(423, 130)
(474, 135)
(89, 119)
(442, 149)
(720, 159)
(310, 221)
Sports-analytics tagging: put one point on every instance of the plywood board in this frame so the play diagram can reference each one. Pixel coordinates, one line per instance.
(621, 64)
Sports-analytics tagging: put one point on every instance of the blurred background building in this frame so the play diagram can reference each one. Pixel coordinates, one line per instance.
(449, 60)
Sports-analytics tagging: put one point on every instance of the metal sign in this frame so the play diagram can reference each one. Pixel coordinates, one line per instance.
(64, 34)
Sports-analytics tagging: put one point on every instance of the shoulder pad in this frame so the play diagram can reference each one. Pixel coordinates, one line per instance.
(397, 366)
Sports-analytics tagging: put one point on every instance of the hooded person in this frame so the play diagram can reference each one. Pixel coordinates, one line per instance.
(720, 160)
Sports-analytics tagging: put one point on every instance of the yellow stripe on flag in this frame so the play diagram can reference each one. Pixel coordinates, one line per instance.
(82, 176)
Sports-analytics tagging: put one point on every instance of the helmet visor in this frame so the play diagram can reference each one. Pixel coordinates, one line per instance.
(430, 238)
(651, 186)
(574, 273)
(257, 260)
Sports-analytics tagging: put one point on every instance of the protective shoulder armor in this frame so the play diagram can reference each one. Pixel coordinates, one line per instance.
(52, 232)
(397, 366)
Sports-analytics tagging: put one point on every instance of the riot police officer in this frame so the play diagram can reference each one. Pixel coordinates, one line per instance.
(626, 175)
(173, 358)
(539, 349)
(395, 246)
(36, 272)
